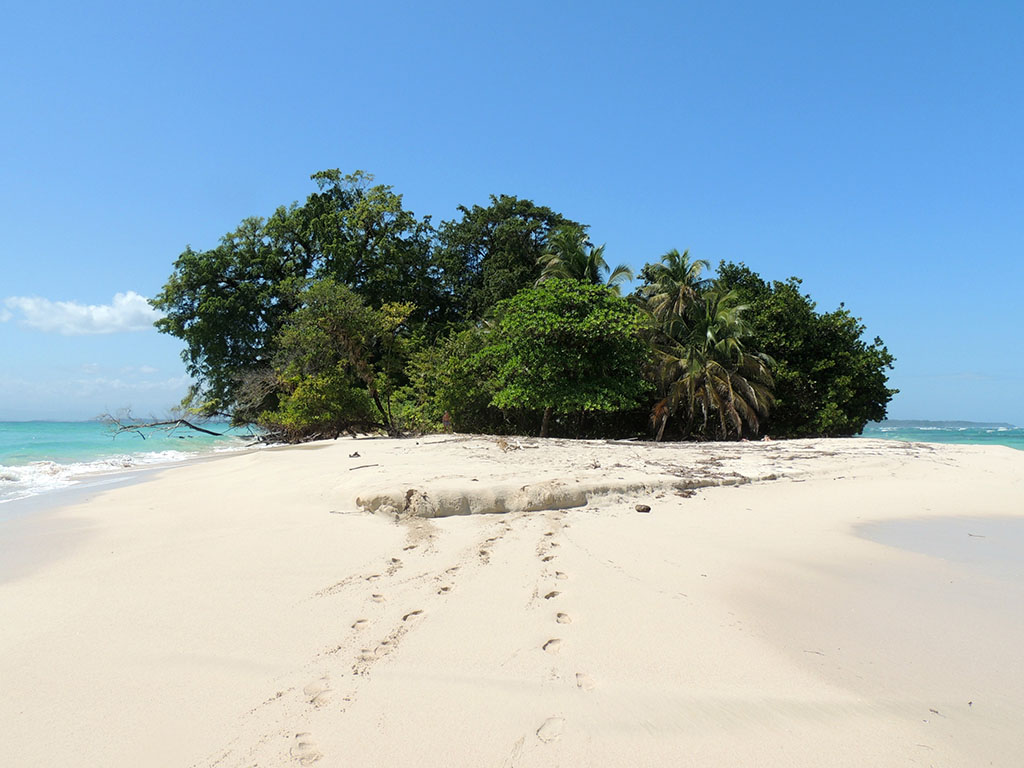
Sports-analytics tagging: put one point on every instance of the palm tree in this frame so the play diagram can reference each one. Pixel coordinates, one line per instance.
(569, 255)
(673, 283)
(707, 372)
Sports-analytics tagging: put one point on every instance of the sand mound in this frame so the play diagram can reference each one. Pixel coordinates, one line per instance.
(473, 499)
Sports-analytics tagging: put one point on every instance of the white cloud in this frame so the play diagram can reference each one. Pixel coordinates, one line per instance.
(127, 312)
(4, 315)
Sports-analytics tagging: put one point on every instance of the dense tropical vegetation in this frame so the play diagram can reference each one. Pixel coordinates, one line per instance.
(347, 313)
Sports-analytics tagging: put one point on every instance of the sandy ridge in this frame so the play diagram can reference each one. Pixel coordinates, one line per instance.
(610, 469)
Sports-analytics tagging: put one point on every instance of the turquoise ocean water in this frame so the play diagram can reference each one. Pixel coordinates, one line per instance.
(39, 456)
(962, 432)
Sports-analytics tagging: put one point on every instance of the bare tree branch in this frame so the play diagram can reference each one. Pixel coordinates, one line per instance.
(125, 422)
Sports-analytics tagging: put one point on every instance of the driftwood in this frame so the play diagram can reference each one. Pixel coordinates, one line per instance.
(126, 423)
(170, 425)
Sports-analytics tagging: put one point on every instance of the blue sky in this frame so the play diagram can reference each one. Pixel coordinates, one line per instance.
(875, 151)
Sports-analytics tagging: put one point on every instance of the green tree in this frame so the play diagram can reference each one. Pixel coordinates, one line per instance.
(671, 285)
(828, 379)
(569, 255)
(706, 370)
(492, 252)
(452, 375)
(336, 362)
(229, 304)
(367, 240)
(566, 347)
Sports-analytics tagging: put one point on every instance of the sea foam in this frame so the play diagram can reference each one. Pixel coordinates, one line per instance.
(18, 482)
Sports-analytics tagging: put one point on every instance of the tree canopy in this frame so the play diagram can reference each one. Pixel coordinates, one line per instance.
(568, 347)
(335, 363)
(492, 252)
(229, 304)
(570, 255)
(828, 380)
(347, 313)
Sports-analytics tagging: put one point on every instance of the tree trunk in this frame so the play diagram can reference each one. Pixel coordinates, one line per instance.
(389, 427)
(689, 423)
(545, 422)
(661, 429)
(357, 358)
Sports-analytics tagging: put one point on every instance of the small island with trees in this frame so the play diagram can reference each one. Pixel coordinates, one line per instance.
(349, 314)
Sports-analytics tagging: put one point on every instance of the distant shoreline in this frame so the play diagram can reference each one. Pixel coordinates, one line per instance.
(941, 424)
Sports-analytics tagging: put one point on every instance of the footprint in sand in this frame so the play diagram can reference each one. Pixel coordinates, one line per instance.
(551, 729)
(377, 598)
(360, 623)
(561, 575)
(552, 645)
(304, 750)
(550, 533)
(563, 618)
(584, 681)
(547, 559)
(551, 594)
(410, 614)
(443, 590)
(318, 692)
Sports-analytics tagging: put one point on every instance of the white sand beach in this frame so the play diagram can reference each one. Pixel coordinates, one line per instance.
(309, 606)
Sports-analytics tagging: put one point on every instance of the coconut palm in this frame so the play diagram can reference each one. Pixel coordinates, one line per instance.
(673, 283)
(706, 371)
(569, 255)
